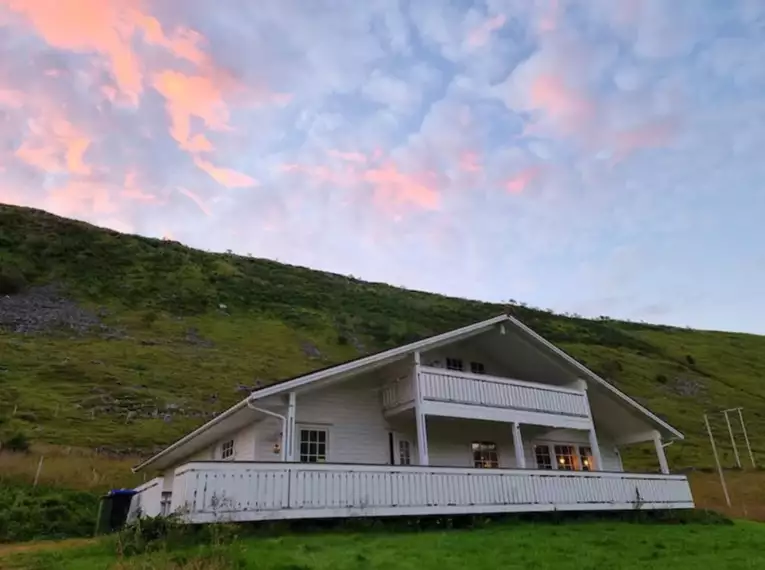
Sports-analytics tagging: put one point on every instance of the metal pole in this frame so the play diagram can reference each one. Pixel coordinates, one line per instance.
(717, 460)
(746, 437)
(732, 440)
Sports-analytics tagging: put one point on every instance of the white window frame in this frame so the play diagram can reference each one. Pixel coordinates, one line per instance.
(404, 449)
(299, 429)
(554, 457)
(550, 451)
(475, 364)
(484, 442)
(458, 364)
(225, 447)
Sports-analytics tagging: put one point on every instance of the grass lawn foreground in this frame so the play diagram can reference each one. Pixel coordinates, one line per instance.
(580, 545)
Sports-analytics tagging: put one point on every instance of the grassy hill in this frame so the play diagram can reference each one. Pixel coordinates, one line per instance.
(125, 343)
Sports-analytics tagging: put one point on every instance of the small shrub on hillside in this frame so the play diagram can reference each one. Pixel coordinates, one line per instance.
(151, 534)
(16, 442)
(30, 513)
(12, 281)
(690, 360)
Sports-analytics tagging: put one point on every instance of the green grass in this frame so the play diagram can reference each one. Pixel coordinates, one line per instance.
(148, 385)
(580, 545)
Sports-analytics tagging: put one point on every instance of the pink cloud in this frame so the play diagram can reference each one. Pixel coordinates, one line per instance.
(470, 161)
(520, 181)
(480, 35)
(348, 156)
(652, 135)
(225, 176)
(196, 199)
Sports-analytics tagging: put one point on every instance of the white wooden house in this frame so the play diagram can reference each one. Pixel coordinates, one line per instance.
(488, 418)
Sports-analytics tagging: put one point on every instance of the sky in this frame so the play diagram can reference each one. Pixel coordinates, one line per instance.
(593, 157)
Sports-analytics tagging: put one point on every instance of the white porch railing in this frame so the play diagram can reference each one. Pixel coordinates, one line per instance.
(478, 389)
(210, 491)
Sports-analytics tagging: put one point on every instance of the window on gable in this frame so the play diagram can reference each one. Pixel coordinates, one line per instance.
(404, 452)
(566, 457)
(313, 445)
(454, 364)
(477, 368)
(542, 454)
(227, 449)
(485, 455)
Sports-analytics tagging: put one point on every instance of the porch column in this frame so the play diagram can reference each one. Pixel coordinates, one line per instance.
(592, 436)
(595, 450)
(660, 453)
(289, 448)
(422, 429)
(520, 456)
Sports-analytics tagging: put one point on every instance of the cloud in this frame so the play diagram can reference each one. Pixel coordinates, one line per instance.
(492, 149)
(479, 36)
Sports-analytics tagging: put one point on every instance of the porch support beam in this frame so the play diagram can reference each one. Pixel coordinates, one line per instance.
(595, 450)
(290, 428)
(591, 434)
(657, 442)
(420, 418)
(520, 457)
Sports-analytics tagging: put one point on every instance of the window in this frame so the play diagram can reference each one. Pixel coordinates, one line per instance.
(544, 459)
(566, 457)
(164, 503)
(485, 455)
(404, 452)
(313, 445)
(585, 456)
(477, 368)
(454, 364)
(227, 449)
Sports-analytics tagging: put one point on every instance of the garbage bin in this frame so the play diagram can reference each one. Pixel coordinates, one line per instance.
(113, 510)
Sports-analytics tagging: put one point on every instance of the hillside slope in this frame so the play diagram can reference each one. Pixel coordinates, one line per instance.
(124, 342)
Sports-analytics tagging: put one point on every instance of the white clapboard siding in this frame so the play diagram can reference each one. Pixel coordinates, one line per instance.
(256, 491)
(147, 500)
(476, 389)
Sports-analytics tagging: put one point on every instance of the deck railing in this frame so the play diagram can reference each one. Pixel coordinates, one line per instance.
(210, 491)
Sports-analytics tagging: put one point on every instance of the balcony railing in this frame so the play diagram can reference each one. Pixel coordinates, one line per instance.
(210, 491)
(450, 386)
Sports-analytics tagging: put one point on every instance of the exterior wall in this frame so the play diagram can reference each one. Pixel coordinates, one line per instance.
(465, 351)
(358, 430)
(352, 414)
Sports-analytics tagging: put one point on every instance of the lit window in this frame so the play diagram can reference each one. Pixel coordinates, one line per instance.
(544, 459)
(485, 455)
(585, 456)
(454, 364)
(566, 457)
(227, 449)
(477, 368)
(404, 452)
(313, 445)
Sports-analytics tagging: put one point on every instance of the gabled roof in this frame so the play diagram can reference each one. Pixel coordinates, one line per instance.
(378, 359)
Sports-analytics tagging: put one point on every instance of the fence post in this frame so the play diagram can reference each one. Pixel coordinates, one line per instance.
(39, 469)
(717, 460)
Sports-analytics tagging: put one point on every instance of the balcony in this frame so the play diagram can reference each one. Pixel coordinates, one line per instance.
(224, 491)
(475, 395)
